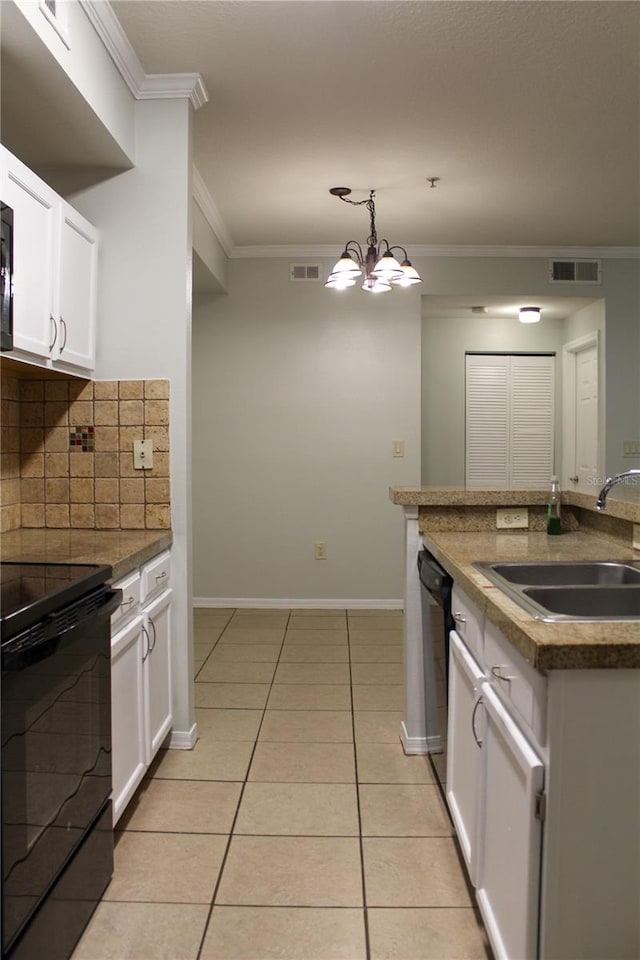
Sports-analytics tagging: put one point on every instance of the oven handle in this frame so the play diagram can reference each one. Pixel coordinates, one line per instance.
(27, 652)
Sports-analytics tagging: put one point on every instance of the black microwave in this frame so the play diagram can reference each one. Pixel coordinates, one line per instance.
(6, 279)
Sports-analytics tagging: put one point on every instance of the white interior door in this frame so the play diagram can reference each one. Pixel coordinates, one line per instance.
(580, 428)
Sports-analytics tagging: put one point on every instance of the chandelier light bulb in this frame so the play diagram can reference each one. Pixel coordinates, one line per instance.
(346, 266)
(409, 275)
(387, 267)
(340, 282)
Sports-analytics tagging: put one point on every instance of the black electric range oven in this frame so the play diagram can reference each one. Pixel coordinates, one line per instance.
(57, 839)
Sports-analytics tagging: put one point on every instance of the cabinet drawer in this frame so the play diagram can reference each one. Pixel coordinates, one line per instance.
(156, 576)
(520, 686)
(130, 586)
(469, 621)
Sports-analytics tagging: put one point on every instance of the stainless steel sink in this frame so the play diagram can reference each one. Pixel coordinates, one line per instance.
(563, 573)
(582, 603)
(560, 590)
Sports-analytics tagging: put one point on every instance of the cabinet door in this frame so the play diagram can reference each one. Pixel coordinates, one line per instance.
(510, 835)
(35, 208)
(128, 728)
(158, 673)
(463, 747)
(75, 294)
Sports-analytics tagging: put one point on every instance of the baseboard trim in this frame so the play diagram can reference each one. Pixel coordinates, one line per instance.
(414, 746)
(297, 604)
(184, 739)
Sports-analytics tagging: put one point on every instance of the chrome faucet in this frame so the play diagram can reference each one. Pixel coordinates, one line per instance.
(601, 502)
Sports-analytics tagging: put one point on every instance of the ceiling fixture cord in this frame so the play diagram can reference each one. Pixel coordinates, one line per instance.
(380, 267)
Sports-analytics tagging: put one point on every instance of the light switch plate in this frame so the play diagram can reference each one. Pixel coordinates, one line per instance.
(143, 454)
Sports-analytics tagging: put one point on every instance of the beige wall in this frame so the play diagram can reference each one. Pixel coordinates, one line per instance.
(298, 393)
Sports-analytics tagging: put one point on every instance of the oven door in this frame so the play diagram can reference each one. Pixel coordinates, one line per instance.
(56, 752)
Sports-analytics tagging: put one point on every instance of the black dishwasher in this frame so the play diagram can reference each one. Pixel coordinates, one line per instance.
(57, 838)
(437, 622)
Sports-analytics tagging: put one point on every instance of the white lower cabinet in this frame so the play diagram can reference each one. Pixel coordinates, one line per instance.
(509, 833)
(463, 748)
(128, 728)
(141, 691)
(158, 673)
(495, 781)
(543, 785)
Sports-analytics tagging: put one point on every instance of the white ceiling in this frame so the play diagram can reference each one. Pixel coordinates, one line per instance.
(454, 308)
(527, 111)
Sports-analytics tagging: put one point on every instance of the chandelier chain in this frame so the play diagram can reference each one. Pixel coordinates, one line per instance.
(371, 207)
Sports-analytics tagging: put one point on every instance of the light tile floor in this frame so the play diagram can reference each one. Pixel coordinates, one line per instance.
(296, 828)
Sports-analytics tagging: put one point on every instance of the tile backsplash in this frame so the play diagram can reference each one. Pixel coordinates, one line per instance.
(67, 454)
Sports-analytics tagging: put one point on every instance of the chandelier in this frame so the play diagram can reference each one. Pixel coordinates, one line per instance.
(381, 269)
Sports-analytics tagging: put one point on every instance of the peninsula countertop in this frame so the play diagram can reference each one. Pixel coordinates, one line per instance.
(566, 645)
(122, 550)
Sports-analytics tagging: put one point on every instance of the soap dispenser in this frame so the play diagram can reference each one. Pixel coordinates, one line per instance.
(553, 508)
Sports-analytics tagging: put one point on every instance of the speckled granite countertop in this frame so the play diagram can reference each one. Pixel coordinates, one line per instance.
(123, 550)
(624, 504)
(547, 646)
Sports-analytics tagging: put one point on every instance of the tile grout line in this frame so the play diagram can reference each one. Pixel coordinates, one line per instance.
(365, 916)
(241, 794)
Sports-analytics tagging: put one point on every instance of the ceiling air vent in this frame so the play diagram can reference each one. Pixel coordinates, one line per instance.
(575, 271)
(304, 271)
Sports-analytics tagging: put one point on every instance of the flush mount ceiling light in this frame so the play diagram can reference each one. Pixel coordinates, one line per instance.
(529, 314)
(380, 267)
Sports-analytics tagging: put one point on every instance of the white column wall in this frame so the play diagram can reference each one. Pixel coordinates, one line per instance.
(144, 318)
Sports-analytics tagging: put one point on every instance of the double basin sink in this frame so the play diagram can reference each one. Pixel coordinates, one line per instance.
(563, 590)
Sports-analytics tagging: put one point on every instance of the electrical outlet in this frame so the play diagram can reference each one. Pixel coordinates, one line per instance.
(143, 454)
(320, 551)
(510, 518)
(631, 448)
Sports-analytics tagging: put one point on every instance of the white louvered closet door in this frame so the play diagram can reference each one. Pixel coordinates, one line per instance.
(509, 421)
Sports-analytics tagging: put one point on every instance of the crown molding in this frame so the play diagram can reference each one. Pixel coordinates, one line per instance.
(211, 213)
(154, 86)
(450, 250)
(174, 86)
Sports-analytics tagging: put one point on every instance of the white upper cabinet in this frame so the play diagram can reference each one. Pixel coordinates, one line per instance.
(55, 273)
(35, 206)
(75, 299)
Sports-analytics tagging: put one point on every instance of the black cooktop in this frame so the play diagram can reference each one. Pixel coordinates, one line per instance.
(31, 591)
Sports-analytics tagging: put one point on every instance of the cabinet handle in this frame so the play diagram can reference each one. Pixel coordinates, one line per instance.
(127, 603)
(459, 618)
(54, 329)
(146, 633)
(64, 342)
(161, 576)
(477, 739)
(155, 635)
(495, 672)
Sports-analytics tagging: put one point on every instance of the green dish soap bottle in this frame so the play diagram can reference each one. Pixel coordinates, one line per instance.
(554, 525)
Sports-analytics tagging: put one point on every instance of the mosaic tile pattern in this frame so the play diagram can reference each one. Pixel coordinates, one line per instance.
(82, 437)
(67, 454)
